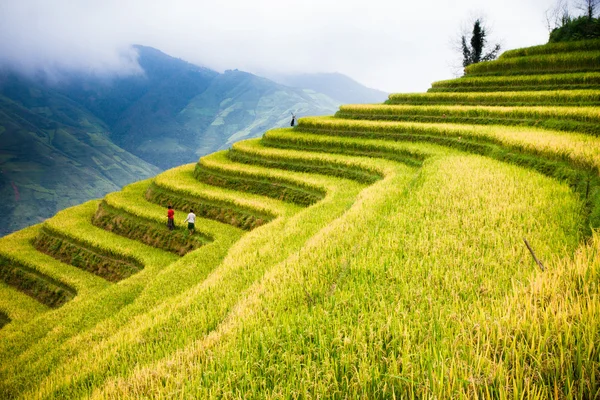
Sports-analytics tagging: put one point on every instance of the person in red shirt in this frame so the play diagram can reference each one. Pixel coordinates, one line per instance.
(171, 218)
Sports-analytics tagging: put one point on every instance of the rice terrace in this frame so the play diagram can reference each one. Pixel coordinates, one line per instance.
(376, 253)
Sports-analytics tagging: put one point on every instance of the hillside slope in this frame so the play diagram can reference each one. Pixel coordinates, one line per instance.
(54, 154)
(334, 85)
(378, 253)
(176, 111)
(169, 115)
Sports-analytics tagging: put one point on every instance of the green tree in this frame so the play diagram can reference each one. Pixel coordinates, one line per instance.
(565, 24)
(589, 7)
(475, 49)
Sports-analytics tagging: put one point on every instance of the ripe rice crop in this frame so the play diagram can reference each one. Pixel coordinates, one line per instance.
(17, 305)
(75, 222)
(546, 98)
(181, 180)
(554, 48)
(580, 149)
(399, 272)
(216, 169)
(580, 119)
(252, 151)
(399, 277)
(493, 83)
(245, 264)
(18, 247)
(97, 316)
(551, 63)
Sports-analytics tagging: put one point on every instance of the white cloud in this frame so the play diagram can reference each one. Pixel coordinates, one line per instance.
(390, 45)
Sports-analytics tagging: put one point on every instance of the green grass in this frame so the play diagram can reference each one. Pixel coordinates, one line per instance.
(213, 299)
(553, 48)
(94, 261)
(373, 306)
(523, 98)
(179, 188)
(18, 247)
(570, 119)
(588, 61)
(581, 150)
(376, 254)
(216, 169)
(576, 81)
(17, 306)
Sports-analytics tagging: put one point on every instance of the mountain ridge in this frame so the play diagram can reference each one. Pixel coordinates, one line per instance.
(170, 114)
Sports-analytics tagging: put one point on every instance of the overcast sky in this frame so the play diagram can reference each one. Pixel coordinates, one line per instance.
(396, 46)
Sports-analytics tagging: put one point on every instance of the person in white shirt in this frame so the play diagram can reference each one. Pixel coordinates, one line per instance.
(191, 220)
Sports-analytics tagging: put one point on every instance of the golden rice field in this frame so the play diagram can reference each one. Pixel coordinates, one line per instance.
(531, 82)
(377, 253)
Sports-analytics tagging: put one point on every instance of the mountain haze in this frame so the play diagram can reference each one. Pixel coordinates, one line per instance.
(67, 140)
(335, 85)
(54, 154)
(177, 111)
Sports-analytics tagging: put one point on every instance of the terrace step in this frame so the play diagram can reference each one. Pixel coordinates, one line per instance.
(43, 277)
(254, 152)
(75, 223)
(17, 306)
(570, 158)
(294, 187)
(573, 119)
(576, 81)
(583, 151)
(129, 214)
(519, 98)
(179, 188)
(554, 48)
(404, 152)
(30, 281)
(538, 64)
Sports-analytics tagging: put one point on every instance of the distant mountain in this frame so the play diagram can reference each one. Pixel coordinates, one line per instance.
(238, 105)
(69, 140)
(177, 111)
(335, 85)
(53, 154)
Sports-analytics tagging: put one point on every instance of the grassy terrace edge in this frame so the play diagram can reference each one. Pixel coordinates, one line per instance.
(222, 211)
(570, 81)
(553, 48)
(361, 175)
(35, 284)
(122, 223)
(570, 119)
(520, 98)
(110, 266)
(538, 64)
(582, 179)
(279, 188)
(4, 319)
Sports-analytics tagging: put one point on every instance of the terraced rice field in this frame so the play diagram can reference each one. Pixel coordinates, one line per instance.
(378, 253)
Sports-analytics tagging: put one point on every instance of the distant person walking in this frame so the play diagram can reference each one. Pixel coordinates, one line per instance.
(171, 218)
(293, 120)
(191, 220)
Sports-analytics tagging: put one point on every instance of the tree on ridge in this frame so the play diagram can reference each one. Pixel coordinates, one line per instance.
(476, 50)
